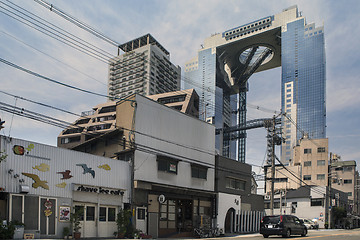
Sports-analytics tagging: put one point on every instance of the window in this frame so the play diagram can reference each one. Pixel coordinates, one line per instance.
(307, 164)
(167, 164)
(349, 194)
(307, 150)
(307, 177)
(347, 181)
(347, 169)
(320, 176)
(321, 162)
(236, 184)
(111, 214)
(321, 149)
(317, 202)
(198, 172)
(141, 213)
(102, 214)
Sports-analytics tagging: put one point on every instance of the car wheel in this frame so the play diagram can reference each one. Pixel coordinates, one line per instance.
(266, 236)
(287, 234)
(304, 232)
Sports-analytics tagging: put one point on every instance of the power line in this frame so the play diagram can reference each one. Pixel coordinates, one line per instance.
(77, 22)
(57, 82)
(68, 65)
(56, 33)
(41, 104)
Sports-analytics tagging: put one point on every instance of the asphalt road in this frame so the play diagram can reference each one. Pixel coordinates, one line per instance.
(336, 234)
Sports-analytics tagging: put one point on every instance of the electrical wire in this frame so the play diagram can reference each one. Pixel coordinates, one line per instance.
(77, 22)
(57, 82)
(64, 63)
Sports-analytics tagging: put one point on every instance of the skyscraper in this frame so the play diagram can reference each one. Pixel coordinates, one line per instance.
(143, 68)
(220, 72)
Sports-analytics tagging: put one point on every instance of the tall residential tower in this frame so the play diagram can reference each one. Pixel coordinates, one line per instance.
(227, 60)
(143, 68)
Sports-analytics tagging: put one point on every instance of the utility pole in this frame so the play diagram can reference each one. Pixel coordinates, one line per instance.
(272, 140)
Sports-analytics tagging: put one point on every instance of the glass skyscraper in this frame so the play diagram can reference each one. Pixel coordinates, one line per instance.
(226, 61)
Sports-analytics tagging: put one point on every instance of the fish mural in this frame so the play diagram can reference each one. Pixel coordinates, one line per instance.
(37, 182)
(43, 167)
(61, 185)
(105, 167)
(66, 174)
(87, 169)
(18, 150)
(30, 147)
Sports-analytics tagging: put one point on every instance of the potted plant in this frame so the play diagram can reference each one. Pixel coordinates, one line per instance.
(75, 220)
(66, 232)
(123, 222)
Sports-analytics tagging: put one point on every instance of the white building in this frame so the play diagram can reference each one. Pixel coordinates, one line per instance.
(41, 186)
(174, 167)
(144, 68)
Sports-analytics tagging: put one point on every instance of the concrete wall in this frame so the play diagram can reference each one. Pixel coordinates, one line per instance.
(164, 131)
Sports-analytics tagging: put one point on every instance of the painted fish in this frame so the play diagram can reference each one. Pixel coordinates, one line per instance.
(43, 167)
(105, 167)
(61, 185)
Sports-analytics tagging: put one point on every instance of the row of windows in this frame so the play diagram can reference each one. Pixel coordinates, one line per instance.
(313, 203)
(170, 165)
(319, 163)
(319, 150)
(318, 177)
(248, 27)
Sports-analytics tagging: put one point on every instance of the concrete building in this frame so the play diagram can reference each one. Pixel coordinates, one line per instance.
(344, 177)
(222, 67)
(102, 118)
(143, 68)
(174, 167)
(42, 185)
(308, 166)
(239, 209)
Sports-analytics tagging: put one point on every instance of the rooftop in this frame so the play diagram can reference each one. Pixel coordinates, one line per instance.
(140, 42)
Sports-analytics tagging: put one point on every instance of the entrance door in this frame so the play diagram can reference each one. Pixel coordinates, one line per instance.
(141, 219)
(48, 216)
(107, 223)
(88, 220)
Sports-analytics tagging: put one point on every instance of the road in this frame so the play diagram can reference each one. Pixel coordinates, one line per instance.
(330, 234)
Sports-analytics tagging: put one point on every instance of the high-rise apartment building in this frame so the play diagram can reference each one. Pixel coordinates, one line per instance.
(143, 68)
(220, 72)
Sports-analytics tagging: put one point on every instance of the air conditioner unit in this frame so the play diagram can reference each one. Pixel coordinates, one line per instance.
(267, 197)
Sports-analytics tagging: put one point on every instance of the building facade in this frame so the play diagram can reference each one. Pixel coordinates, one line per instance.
(174, 167)
(309, 165)
(102, 118)
(143, 68)
(220, 72)
(344, 178)
(239, 210)
(42, 185)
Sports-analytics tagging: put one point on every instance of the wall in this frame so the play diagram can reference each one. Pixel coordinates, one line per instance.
(165, 131)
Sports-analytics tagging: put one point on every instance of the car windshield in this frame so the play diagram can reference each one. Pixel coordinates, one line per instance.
(275, 219)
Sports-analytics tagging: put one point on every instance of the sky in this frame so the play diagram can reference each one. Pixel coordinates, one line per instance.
(181, 27)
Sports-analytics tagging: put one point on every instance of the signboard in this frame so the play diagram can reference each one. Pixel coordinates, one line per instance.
(161, 198)
(64, 215)
(99, 190)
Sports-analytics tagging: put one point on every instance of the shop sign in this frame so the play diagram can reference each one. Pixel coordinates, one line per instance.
(48, 205)
(161, 198)
(100, 190)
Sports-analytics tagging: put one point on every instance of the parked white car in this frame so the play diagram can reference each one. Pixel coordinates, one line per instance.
(309, 223)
